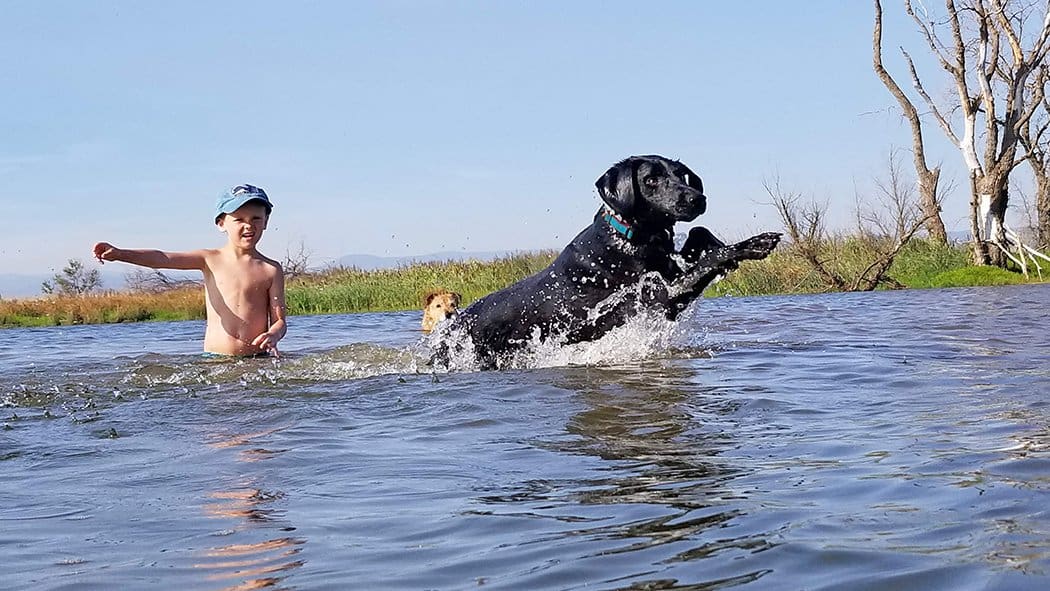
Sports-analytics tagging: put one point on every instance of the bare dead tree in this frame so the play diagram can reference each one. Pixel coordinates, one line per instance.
(154, 281)
(804, 224)
(1035, 137)
(1042, 208)
(927, 178)
(886, 228)
(1029, 229)
(990, 61)
(298, 262)
(889, 225)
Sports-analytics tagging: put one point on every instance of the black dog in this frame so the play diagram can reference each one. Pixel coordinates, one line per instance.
(622, 263)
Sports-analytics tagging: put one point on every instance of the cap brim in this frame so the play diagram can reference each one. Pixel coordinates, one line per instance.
(235, 202)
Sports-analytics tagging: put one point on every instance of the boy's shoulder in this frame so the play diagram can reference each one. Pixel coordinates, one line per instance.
(268, 261)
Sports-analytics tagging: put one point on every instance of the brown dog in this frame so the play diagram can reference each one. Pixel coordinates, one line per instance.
(439, 305)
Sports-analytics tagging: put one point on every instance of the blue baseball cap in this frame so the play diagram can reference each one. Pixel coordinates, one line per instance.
(234, 197)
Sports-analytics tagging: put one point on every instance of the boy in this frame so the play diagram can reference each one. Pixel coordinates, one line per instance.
(243, 290)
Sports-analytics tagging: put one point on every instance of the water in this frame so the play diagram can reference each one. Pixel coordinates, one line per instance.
(894, 440)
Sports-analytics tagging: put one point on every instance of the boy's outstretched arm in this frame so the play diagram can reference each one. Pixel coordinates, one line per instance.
(155, 259)
(267, 341)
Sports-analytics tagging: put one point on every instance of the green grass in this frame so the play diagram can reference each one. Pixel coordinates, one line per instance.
(920, 264)
(352, 290)
(339, 291)
(977, 276)
(25, 320)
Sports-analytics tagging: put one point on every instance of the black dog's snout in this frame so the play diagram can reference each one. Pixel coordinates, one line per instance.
(693, 200)
(701, 206)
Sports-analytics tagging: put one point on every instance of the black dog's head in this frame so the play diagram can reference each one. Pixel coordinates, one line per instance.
(653, 189)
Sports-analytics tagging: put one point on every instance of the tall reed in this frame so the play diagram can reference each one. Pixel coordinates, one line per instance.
(106, 307)
(344, 290)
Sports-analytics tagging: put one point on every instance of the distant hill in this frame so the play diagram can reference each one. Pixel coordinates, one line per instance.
(17, 285)
(13, 285)
(368, 262)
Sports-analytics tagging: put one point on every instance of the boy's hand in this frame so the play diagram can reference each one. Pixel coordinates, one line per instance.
(105, 251)
(267, 342)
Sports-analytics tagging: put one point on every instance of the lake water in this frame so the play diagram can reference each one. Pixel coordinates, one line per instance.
(892, 440)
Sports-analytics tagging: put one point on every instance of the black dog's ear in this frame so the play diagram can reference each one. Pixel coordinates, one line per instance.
(617, 187)
(691, 178)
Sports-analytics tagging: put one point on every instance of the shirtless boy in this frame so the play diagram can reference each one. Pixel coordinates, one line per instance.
(243, 290)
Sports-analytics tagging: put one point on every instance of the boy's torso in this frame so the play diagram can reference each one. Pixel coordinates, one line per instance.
(237, 296)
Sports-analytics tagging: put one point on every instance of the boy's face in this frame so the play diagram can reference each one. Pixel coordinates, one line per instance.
(244, 227)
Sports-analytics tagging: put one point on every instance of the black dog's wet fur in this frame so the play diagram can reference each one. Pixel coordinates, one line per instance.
(651, 193)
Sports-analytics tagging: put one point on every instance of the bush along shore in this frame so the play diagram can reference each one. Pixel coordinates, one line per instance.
(341, 291)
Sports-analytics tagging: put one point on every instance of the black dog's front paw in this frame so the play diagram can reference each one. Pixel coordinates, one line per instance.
(712, 265)
(756, 247)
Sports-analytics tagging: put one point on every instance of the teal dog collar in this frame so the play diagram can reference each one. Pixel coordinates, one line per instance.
(619, 224)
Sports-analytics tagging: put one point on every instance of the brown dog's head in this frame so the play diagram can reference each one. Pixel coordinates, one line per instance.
(653, 189)
(439, 305)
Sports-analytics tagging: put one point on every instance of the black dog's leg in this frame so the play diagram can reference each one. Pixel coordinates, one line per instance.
(700, 240)
(714, 263)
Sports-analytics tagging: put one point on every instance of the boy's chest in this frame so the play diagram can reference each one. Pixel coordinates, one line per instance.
(241, 278)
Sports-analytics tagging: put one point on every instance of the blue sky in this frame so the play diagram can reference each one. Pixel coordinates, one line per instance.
(409, 127)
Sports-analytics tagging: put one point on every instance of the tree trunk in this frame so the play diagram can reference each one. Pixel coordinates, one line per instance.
(980, 247)
(1042, 208)
(928, 203)
(927, 179)
(997, 211)
(988, 219)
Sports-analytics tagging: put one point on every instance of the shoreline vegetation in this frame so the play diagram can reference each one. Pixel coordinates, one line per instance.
(921, 264)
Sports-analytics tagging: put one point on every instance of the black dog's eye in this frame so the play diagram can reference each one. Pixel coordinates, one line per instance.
(652, 181)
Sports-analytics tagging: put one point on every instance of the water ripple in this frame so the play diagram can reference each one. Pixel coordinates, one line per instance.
(892, 440)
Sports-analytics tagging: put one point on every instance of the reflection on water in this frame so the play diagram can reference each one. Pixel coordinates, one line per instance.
(896, 440)
(667, 437)
(254, 565)
(646, 421)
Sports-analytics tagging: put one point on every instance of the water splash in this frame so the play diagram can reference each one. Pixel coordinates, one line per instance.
(355, 361)
(642, 337)
(83, 391)
(646, 334)
(359, 360)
